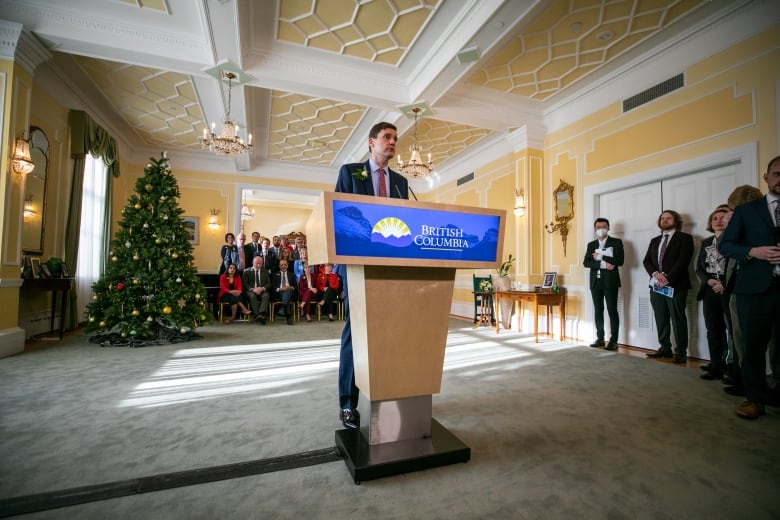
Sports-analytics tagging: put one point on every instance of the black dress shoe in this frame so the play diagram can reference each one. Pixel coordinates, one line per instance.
(660, 354)
(348, 419)
(680, 358)
(736, 390)
(598, 343)
(611, 346)
(711, 376)
(706, 367)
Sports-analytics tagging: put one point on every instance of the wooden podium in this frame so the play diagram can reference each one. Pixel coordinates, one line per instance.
(401, 258)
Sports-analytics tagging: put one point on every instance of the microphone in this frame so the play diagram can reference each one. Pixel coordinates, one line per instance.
(398, 191)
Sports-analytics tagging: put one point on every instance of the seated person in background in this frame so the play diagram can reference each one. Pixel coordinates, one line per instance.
(230, 289)
(307, 291)
(284, 286)
(257, 289)
(328, 286)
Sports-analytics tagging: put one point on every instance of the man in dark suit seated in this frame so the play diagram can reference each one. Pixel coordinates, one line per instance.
(603, 257)
(284, 287)
(753, 239)
(257, 289)
(667, 261)
(373, 178)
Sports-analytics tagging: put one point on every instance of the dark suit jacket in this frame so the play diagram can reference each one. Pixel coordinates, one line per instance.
(346, 183)
(276, 281)
(701, 268)
(249, 252)
(610, 278)
(248, 279)
(750, 226)
(270, 262)
(677, 259)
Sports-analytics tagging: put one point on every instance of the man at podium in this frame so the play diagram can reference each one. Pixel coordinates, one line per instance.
(375, 179)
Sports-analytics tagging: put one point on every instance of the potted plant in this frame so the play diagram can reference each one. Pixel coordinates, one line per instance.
(503, 282)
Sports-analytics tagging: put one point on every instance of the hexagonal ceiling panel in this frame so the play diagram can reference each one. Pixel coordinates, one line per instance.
(308, 129)
(572, 38)
(380, 31)
(161, 106)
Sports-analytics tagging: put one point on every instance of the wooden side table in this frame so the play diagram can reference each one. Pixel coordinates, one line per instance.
(53, 285)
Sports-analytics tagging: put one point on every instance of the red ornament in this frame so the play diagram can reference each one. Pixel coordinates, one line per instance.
(120, 286)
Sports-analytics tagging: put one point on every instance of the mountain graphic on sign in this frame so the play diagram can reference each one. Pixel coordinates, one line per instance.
(391, 231)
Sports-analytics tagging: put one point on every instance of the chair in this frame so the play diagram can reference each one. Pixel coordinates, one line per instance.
(478, 297)
(244, 318)
(294, 307)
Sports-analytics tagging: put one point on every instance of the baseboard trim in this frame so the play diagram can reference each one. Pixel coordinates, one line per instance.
(11, 341)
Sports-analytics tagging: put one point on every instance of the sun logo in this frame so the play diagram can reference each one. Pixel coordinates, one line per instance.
(391, 231)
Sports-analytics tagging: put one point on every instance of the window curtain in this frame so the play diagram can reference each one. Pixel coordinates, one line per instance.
(91, 257)
(86, 136)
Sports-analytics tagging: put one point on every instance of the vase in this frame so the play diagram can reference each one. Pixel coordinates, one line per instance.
(504, 283)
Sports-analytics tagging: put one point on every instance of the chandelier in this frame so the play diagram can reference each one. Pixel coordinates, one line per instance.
(246, 213)
(415, 167)
(227, 142)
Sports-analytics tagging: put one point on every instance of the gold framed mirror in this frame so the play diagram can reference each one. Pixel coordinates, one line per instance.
(563, 207)
(564, 201)
(33, 212)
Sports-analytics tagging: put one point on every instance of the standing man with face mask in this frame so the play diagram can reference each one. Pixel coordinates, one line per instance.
(603, 257)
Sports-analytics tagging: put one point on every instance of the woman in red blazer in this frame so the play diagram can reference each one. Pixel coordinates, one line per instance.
(230, 291)
(328, 286)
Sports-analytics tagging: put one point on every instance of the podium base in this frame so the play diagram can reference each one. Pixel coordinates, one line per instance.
(367, 462)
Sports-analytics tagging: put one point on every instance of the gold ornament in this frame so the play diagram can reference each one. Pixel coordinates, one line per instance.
(92, 319)
(137, 206)
(136, 281)
(124, 334)
(135, 312)
(182, 303)
(197, 296)
(158, 241)
(149, 319)
(149, 187)
(114, 259)
(102, 324)
(94, 297)
(175, 255)
(167, 310)
(136, 257)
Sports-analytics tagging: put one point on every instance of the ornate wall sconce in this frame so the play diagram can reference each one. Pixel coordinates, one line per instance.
(29, 210)
(519, 202)
(563, 202)
(21, 161)
(213, 224)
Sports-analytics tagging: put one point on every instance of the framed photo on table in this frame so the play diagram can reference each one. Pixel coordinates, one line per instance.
(36, 267)
(549, 280)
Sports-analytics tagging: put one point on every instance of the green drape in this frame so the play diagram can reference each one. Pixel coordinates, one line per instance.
(86, 136)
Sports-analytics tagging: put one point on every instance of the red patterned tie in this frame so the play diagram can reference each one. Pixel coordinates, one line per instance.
(382, 186)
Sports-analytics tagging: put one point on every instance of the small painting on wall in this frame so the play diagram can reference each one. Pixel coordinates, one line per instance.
(191, 228)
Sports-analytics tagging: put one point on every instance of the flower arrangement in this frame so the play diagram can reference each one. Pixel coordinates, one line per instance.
(360, 174)
(485, 286)
(506, 266)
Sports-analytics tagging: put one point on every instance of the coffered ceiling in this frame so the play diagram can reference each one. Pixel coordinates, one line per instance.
(317, 74)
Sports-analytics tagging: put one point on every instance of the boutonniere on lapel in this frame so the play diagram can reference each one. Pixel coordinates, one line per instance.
(360, 174)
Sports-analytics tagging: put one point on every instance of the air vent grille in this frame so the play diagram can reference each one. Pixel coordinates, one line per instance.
(654, 92)
(466, 178)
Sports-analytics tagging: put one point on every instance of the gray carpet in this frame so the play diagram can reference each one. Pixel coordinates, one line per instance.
(557, 430)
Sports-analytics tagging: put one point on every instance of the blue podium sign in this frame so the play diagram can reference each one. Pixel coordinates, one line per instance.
(374, 230)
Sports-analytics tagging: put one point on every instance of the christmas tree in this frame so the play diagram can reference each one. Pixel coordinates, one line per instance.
(150, 292)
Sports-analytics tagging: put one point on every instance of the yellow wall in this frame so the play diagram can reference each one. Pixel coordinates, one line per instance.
(729, 100)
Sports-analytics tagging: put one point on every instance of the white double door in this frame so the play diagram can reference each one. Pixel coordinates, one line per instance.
(633, 214)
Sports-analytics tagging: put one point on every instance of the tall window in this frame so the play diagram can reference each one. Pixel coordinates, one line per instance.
(91, 259)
